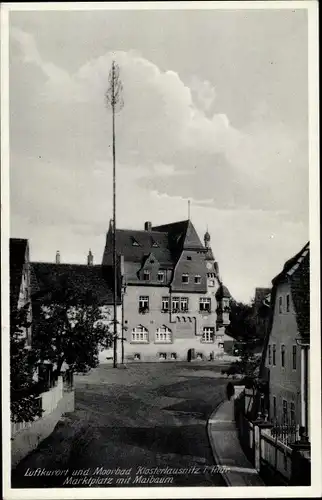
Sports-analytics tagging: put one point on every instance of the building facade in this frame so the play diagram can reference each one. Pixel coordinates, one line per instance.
(286, 352)
(20, 283)
(175, 307)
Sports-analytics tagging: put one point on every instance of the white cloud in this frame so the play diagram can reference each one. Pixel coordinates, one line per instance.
(171, 147)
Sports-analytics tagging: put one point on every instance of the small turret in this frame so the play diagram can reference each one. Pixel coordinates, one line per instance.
(58, 257)
(90, 258)
(207, 239)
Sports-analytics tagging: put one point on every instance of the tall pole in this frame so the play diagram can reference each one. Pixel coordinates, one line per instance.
(114, 221)
(114, 100)
(122, 338)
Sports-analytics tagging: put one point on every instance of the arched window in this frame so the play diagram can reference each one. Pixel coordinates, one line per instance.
(163, 335)
(140, 334)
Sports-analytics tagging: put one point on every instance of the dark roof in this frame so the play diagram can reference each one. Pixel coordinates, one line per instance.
(223, 293)
(137, 245)
(260, 295)
(166, 242)
(289, 264)
(182, 236)
(17, 258)
(47, 277)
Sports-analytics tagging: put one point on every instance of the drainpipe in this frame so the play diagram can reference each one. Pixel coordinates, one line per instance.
(304, 385)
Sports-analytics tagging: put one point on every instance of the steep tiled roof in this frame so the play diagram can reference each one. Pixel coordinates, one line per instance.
(166, 242)
(17, 255)
(136, 245)
(79, 278)
(182, 236)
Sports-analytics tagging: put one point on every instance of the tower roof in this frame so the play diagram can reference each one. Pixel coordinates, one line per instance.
(223, 293)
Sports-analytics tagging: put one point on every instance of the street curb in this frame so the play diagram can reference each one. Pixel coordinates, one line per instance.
(212, 444)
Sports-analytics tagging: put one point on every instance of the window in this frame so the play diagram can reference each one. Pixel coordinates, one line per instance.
(274, 406)
(161, 276)
(165, 304)
(208, 334)
(283, 355)
(284, 412)
(269, 355)
(288, 302)
(173, 355)
(204, 304)
(292, 413)
(175, 304)
(197, 279)
(135, 243)
(140, 334)
(280, 304)
(188, 257)
(184, 304)
(162, 355)
(163, 335)
(211, 283)
(155, 245)
(294, 352)
(146, 275)
(274, 354)
(185, 278)
(143, 304)
(137, 356)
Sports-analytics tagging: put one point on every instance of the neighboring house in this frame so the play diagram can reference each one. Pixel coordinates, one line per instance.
(174, 304)
(54, 401)
(79, 278)
(285, 362)
(20, 286)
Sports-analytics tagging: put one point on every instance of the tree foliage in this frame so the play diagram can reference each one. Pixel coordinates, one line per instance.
(242, 324)
(69, 328)
(24, 402)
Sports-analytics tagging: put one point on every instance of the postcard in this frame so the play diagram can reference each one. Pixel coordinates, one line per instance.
(160, 250)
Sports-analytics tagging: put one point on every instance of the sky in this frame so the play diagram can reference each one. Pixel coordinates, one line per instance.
(215, 111)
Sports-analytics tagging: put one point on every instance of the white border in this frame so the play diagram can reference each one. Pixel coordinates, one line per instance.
(315, 366)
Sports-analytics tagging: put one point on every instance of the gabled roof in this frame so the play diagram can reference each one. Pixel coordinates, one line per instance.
(48, 277)
(292, 264)
(17, 256)
(135, 245)
(182, 236)
(166, 242)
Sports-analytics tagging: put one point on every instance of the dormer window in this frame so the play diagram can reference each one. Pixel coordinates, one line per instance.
(161, 276)
(135, 243)
(197, 279)
(155, 245)
(146, 275)
(185, 278)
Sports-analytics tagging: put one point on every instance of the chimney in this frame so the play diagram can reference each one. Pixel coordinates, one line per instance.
(147, 226)
(90, 258)
(58, 257)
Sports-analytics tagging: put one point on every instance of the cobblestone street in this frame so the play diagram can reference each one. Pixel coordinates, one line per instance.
(129, 421)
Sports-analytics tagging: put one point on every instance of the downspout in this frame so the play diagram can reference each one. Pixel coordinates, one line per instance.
(304, 385)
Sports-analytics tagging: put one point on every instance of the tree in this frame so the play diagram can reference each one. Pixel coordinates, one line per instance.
(69, 328)
(24, 401)
(114, 100)
(242, 324)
